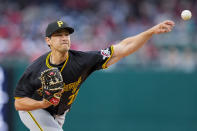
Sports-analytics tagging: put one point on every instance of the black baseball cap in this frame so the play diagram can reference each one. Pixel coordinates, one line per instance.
(56, 25)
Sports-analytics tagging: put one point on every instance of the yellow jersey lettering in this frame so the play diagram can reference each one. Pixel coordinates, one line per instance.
(72, 97)
(72, 86)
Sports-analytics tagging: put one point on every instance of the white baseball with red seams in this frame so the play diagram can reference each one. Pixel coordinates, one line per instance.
(186, 15)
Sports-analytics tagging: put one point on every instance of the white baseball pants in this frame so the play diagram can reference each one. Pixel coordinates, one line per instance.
(41, 120)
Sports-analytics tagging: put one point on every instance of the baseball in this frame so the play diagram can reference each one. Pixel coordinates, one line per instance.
(186, 15)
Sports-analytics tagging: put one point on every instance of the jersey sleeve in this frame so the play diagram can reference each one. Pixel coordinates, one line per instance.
(24, 87)
(99, 59)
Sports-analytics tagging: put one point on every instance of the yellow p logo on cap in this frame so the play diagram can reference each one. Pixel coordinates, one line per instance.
(60, 23)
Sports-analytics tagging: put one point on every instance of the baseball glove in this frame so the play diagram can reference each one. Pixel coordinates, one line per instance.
(52, 85)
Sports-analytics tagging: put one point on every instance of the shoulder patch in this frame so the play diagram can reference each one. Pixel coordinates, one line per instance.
(105, 53)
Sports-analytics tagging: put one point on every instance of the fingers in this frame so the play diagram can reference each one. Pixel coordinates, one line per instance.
(162, 31)
(169, 22)
(163, 27)
(166, 26)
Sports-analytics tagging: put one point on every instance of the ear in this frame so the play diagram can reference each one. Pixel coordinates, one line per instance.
(48, 41)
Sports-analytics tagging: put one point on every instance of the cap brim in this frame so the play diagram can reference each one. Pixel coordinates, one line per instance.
(69, 29)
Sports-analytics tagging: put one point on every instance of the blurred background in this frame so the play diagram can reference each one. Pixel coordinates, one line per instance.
(153, 89)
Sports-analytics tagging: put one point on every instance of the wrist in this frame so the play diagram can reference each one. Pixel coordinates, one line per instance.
(45, 104)
(41, 104)
(151, 31)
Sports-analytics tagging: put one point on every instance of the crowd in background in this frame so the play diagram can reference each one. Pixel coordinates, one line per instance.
(99, 24)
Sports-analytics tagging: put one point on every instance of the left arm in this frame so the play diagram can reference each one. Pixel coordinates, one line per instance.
(132, 44)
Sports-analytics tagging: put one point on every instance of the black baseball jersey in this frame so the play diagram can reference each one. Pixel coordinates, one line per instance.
(77, 67)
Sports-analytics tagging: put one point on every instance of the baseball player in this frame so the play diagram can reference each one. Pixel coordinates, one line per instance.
(38, 114)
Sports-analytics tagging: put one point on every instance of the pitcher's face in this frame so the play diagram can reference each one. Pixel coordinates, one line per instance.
(59, 41)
